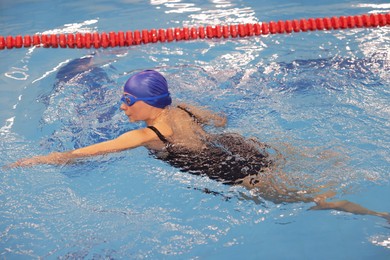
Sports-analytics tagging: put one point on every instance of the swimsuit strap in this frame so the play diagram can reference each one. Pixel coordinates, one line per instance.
(189, 113)
(159, 134)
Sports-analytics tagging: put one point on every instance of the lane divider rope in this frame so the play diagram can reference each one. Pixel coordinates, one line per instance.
(129, 38)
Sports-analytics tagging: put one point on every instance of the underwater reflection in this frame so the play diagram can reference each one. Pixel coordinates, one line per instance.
(80, 106)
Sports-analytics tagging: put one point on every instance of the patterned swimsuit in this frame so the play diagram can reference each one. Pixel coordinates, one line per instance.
(227, 158)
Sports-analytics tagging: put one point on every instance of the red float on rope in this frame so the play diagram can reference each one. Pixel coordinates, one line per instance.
(37, 40)
(257, 29)
(10, 42)
(96, 40)
(2, 43)
(304, 25)
(18, 41)
(88, 40)
(54, 41)
(201, 32)
(129, 38)
(194, 33)
(80, 43)
(241, 30)
(45, 41)
(233, 31)
(62, 39)
(169, 34)
(250, 31)
(161, 35)
(320, 24)
(225, 31)
(112, 39)
(27, 41)
(311, 24)
(295, 25)
(153, 35)
(177, 34)
(70, 40)
(137, 37)
(288, 26)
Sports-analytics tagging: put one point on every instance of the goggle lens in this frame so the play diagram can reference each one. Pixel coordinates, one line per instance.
(128, 99)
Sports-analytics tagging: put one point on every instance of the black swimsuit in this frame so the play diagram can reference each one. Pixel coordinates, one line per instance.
(226, 157)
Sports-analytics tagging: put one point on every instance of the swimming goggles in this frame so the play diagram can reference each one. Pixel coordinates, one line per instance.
(130, 100)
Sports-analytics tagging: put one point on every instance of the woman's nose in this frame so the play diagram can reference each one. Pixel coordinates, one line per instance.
(123, 107)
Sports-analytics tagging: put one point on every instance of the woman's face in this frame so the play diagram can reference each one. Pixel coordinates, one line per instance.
(139, 111)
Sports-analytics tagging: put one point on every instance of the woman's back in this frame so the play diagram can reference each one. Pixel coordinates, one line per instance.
(224, 157)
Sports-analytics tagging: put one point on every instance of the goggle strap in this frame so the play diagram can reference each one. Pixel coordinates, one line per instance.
(153, 98)
(135, 99)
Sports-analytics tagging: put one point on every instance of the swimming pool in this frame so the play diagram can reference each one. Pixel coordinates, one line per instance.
(321, 98)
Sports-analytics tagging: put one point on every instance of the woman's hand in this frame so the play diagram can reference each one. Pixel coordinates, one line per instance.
(53, 158)
(127, 140)
(219, 121)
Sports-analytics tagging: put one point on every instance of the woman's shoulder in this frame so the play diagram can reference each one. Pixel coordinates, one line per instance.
(201, 115)
(180, 112)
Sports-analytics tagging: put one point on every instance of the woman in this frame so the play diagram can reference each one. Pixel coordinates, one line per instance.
(176, 135)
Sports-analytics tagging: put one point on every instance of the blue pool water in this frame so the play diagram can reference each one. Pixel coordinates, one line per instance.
(321, 98)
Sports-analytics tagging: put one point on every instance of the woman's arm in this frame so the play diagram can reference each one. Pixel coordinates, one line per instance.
(205, 116)
(127, 140)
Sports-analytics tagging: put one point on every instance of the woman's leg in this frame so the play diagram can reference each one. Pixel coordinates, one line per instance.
(346, 206)
(270, 190)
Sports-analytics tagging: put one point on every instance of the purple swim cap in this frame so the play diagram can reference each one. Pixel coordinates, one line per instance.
(148, 84)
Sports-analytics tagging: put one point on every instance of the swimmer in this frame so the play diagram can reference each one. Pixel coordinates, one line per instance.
(176, 135)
